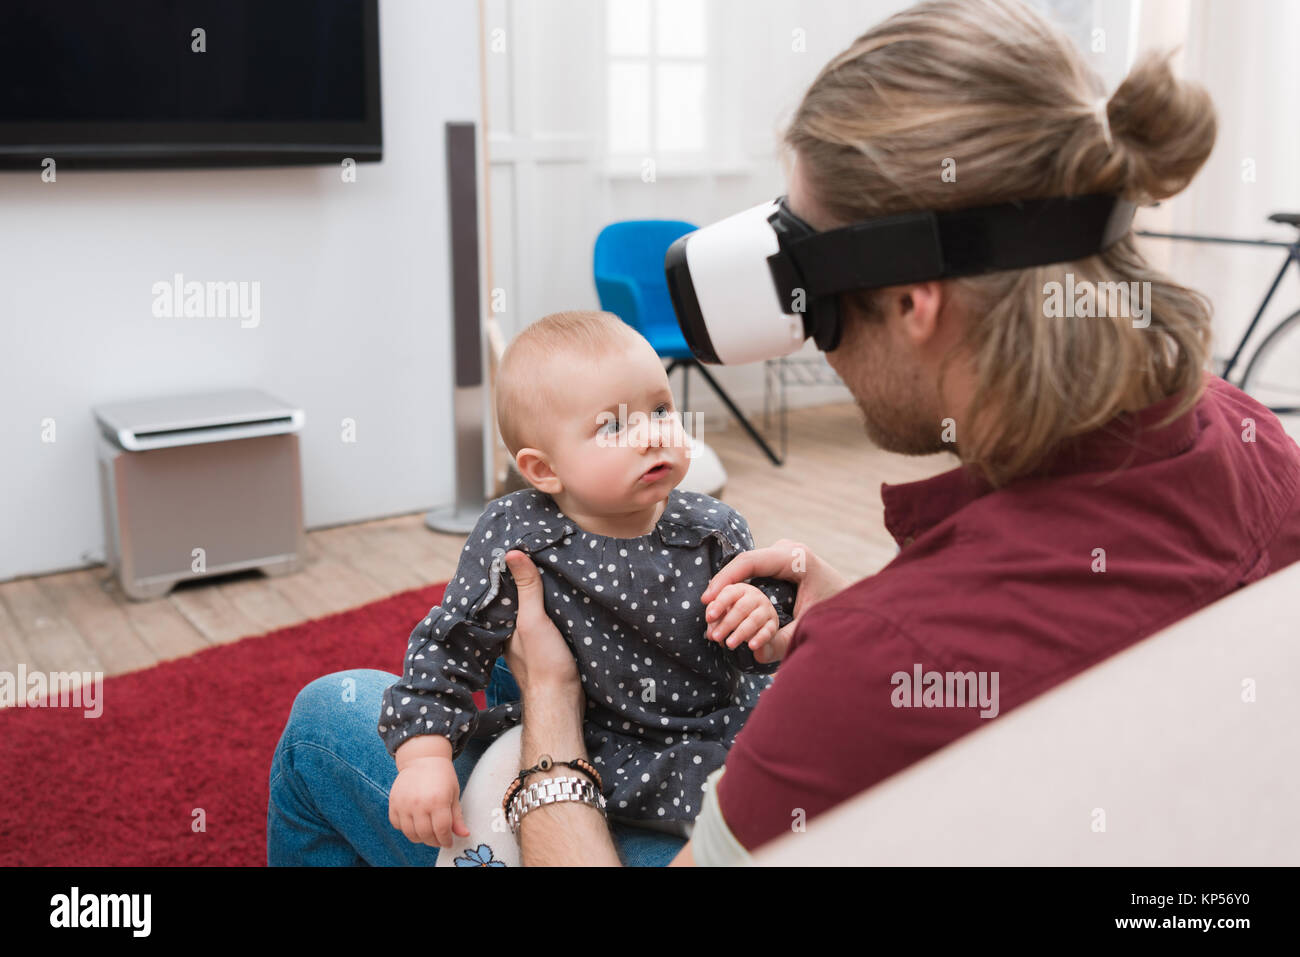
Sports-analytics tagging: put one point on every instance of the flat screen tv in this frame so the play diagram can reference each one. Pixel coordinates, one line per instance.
(123, 83)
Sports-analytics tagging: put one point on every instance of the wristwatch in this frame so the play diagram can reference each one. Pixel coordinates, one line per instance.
(549, 791)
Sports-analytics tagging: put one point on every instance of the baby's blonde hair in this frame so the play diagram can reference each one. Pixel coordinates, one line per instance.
(534, 366)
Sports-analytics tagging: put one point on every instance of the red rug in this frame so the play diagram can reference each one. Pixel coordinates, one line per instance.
(197, 732)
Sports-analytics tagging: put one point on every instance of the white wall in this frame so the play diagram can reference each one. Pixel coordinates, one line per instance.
(355, 303)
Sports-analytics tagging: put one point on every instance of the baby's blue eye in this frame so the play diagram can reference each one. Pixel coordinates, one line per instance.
(612, 424)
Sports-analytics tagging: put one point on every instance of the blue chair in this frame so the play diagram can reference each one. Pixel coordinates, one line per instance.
(630, 282)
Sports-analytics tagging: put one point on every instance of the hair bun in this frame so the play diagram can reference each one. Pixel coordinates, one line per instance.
(1163, 127)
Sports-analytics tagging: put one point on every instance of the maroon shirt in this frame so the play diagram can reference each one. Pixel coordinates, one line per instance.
(1007, 581)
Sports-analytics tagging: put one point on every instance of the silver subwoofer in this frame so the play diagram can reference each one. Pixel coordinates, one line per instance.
(199, 485)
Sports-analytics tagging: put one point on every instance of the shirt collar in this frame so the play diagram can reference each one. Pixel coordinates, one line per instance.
(682, 523)
(1132, 439)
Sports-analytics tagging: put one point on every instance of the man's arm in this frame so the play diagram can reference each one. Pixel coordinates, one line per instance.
(567, 832)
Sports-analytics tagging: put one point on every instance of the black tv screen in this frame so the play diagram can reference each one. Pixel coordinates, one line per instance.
(113, 83)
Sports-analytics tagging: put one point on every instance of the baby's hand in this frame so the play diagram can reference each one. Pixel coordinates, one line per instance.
(741, 614)
(424, 802)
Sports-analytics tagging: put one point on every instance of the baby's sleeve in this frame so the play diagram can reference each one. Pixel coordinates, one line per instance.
(779, 592)
(451, 651)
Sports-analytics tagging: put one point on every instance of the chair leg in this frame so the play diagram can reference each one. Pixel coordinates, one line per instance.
(686, 380)
(740, 417)
(785, 449)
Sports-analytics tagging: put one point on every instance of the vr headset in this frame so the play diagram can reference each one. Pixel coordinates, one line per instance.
(757, 284)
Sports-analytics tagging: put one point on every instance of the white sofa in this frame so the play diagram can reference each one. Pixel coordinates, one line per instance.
(1157, 738)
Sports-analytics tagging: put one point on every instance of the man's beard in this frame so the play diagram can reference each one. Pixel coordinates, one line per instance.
(895, 416)
(894, 430)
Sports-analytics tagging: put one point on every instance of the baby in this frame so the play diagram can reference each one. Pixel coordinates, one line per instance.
(584, 406)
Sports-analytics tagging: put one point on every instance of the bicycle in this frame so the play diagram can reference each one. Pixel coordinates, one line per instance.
(1272, 375)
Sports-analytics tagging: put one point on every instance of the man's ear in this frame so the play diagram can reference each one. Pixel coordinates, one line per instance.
(916, 308)
(533, 466)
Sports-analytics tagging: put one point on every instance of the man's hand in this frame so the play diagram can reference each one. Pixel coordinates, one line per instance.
(741, 614)
(791, 561)
(424, 802)
(536, 653)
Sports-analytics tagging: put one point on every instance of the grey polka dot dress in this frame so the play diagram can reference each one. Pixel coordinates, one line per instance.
(663, 702)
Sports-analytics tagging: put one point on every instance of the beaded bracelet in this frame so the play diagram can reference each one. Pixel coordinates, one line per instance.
(545, 763)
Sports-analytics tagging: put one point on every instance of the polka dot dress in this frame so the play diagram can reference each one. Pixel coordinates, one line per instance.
(663, 702)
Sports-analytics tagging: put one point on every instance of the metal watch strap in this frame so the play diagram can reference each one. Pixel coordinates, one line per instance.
(550, 791)
(547, 763)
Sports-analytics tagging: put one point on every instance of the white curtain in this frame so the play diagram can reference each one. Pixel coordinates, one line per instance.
(1244, 54)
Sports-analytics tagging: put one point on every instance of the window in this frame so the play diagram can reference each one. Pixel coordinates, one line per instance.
(657, 81)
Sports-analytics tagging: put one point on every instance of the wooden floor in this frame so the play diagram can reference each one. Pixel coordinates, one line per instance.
(827, 495)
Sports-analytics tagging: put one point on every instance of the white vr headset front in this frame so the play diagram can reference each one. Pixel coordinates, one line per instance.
(757, 284)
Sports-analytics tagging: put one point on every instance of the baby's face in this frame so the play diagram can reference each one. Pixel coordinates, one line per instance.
(616, 419)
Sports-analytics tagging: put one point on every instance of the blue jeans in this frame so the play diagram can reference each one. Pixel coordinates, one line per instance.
(331, 774)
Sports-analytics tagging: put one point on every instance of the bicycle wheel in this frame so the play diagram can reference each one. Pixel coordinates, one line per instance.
(1272, 376)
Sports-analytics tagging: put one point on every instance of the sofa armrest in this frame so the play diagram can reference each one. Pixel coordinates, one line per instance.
(1158, 738)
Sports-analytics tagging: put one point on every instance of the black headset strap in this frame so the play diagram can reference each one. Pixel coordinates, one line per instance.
(919, 246)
